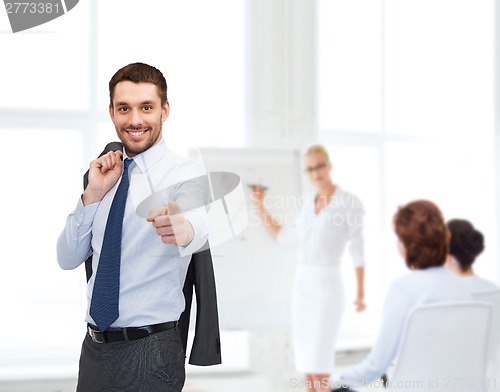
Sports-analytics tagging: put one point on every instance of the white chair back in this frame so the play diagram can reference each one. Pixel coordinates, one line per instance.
(493, 366)
(444, 348)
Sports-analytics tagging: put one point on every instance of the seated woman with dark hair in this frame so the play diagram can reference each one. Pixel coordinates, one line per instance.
(465, 245)
(423, 242)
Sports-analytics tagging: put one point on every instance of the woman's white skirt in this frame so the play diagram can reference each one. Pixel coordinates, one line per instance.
(317, 308)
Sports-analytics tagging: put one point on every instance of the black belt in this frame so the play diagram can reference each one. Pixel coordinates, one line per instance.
(130, 333)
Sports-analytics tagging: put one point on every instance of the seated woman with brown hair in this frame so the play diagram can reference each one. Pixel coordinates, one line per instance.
(423, 243)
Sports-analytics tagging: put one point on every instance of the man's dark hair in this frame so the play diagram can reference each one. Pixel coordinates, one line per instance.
(139, 73)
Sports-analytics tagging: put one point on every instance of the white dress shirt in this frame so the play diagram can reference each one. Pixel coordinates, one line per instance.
(323, 236)
(152, 273)
(419, 287)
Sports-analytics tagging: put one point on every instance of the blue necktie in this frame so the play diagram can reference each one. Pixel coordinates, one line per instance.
(104, 304)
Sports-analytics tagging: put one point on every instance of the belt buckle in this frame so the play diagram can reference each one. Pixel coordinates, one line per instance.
(94, 335)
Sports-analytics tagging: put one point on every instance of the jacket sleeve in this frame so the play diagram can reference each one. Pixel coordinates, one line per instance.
(206, 348)
(185, 317)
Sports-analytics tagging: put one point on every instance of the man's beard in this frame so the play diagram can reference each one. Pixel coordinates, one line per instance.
(134, 148)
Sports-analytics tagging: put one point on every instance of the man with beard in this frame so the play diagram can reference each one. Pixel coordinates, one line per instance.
(139, 264)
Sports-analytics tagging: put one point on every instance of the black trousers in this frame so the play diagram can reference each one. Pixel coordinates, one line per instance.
(152, 364)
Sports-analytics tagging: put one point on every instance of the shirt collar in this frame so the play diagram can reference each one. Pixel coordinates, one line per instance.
(147, 159)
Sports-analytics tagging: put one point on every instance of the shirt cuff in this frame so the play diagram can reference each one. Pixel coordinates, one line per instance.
(358, 263)
(84, 215)
(199, 222)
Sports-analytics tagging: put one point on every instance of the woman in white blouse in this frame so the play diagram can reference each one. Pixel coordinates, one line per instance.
(423, 242)
(329, 219)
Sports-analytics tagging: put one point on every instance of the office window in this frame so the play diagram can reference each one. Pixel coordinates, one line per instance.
(439, 88)
(349, 65)
(425, 73)
(439, 67)
(41, 184)
(48, 69)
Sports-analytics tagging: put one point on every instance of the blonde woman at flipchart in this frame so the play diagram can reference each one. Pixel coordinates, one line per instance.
(330, 219)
